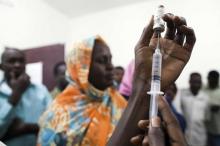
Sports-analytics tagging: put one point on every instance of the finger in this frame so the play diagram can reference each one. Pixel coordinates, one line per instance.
(147, 34)
(156, 137)
(179, 38)
(155, 122)
(190, 37)
(171, 124)
(137, 140)
(171, 29)
(145, 142)
(143, 124)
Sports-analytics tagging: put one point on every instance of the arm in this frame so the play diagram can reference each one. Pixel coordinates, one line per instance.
(175, 56)
(7, 108)
(18, 128)
(170, 134)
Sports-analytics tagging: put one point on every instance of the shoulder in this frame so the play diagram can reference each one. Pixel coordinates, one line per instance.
(184, 92)
(204, 95)
(38, 90)
(38, 86)
(117, 98)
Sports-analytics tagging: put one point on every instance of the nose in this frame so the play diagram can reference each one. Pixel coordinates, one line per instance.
(17, 64)
(110, 66)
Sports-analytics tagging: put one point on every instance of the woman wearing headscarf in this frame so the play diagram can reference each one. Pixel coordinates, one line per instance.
(87, 111)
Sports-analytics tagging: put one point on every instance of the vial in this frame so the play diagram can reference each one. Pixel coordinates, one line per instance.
(158, 21)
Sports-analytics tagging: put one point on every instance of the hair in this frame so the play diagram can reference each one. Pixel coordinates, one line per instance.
(119, 67)
(195, 74)
(213, 74)
(4, 54)
(56, 66)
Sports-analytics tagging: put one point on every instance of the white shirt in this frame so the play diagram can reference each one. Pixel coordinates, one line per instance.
(194, 109)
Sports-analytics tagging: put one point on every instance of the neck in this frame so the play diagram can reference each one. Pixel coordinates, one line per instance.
(194, 92)
(97, 92)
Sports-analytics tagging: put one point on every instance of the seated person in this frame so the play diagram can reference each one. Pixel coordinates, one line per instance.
(61, 82)
(21, 102)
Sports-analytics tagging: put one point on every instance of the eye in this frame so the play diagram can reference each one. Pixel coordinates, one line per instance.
(103, 60)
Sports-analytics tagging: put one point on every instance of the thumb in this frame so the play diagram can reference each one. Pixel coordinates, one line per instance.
(156, 136)
(155, 133)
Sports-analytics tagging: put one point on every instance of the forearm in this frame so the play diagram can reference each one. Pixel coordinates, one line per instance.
(137, 109)
(15, 131)
(14, 98)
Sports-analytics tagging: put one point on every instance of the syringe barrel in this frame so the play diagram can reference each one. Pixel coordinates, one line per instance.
(155, 82)
(153, 105)
(156, 70)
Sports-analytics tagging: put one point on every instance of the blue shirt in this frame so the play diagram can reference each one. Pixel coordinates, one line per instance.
(32, 104)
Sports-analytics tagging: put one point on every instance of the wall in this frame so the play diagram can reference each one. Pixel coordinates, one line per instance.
(31, 23)
(122, 27)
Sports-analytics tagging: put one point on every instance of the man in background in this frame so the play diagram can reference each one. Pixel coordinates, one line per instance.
(213, 112)
(194, 105)
(118, 75)
(21, 102)
(61, 82)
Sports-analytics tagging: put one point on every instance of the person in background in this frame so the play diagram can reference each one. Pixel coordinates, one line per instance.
(87, 111)
(21, 102)
(213, 112)
(118, 75)
(61, 82)
(170, 95)
(126, 84)
(194, 105)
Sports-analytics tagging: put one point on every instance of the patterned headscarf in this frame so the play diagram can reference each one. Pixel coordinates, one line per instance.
(81, 115)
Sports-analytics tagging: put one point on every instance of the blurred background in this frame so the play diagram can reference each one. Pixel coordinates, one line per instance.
(37, 26)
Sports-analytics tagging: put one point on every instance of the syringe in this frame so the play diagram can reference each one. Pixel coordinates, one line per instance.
(156, 66)
(155, 81)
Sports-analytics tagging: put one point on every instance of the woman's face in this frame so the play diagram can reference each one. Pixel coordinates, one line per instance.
(101, 69)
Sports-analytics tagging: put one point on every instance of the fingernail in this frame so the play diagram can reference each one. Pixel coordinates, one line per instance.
(155, 122)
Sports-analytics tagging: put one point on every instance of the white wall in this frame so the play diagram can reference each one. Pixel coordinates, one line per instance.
(31, 23)
(122, 27)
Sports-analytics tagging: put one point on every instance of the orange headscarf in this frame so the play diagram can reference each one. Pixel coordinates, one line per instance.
(81, 115)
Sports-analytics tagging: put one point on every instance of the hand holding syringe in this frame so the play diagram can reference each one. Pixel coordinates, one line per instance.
(156, 65)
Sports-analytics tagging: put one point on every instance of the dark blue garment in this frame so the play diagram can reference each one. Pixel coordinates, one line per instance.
(178, 116)
(213, 140)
